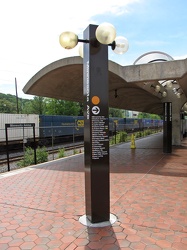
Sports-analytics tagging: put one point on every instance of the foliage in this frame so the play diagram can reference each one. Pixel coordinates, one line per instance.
(7, 104)
(61, 153)
(41, 156)
(7, 107)
(139, 134)
(61, 107)
(122, 136)
(150, 116)
(50, 106)
(39, 105)
(115, 112)
(75, 151)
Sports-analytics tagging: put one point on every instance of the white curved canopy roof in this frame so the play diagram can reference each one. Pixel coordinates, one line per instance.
(134, 85)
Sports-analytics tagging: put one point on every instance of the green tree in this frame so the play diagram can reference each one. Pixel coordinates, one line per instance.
(81, 111)
(115, 112)
(38, 105)
(149, 116)
(7, 106)
(61, 107)
(26, 107)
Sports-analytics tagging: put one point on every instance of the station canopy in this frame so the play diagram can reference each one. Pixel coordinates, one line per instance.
(133, 87)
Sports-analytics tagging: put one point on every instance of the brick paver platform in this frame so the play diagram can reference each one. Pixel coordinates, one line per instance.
(40, 206)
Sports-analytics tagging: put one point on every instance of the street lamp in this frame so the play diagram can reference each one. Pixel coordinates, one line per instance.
(104, 34)
(96, 117)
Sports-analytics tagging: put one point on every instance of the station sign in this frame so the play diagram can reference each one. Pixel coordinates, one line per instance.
(19, 125)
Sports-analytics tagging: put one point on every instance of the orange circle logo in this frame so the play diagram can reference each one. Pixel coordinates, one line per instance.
(95, 100)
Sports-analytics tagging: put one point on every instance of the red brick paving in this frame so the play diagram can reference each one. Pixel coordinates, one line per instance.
(40, 207)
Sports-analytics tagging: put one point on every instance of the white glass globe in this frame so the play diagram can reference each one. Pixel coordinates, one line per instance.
(164, 94)
(121, 45)
(157, 88)
(105, 33)
(68, 40)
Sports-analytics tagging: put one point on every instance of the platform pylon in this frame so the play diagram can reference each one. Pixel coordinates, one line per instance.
(133, 145)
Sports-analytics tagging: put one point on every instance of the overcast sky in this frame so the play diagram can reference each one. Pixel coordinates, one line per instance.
(30, 32)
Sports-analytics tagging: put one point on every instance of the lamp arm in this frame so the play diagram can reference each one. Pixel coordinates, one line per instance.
(113, 45)
(83, 40)
(95, 43)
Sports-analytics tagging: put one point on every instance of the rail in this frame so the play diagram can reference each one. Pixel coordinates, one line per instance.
(19, 157)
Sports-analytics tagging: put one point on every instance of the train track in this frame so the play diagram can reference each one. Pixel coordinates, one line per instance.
(19, 156)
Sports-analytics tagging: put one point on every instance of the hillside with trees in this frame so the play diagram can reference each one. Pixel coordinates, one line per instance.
(38, 105)
(49, 106)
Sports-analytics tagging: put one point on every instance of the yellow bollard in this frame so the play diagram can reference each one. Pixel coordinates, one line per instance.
(133, 142)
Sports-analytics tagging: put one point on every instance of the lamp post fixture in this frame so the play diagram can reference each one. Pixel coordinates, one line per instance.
(96, 116)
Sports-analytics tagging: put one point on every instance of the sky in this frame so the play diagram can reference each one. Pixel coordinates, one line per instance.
(30, 29)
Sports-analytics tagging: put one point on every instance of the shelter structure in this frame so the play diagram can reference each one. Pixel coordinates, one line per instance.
(142, 87)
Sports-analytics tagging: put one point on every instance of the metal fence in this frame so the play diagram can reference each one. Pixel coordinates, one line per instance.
(56, 138)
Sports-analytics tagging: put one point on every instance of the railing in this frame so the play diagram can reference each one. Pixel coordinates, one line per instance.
(55, 139)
